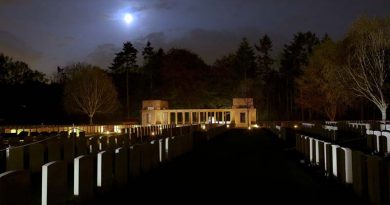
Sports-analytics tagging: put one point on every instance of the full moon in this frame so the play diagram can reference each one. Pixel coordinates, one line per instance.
(128, 18)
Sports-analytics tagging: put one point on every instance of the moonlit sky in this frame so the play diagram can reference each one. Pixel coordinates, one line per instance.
(50, 33)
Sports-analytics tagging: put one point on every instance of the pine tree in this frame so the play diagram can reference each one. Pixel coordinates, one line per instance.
(264, 60)
(124, 63)
(148, 67)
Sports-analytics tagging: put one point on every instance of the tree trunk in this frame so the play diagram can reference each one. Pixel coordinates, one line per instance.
(383, 111)
(91, 119)
(127, 94)
(287, 101)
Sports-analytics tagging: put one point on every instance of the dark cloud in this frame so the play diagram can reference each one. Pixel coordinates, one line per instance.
(153, 4)
(209, 44)
(103, 55)
(75, 30)
(213, 44)
(12, 46)
(11, 1)
(165, 4)
(157, 39)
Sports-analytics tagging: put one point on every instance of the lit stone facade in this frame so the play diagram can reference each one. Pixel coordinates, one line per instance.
(242, 114)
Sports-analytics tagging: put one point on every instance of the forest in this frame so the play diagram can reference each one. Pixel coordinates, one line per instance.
(312, 78)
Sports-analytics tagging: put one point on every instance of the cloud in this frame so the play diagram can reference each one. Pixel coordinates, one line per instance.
(103, 55)
(209, 44)
(12, 46)
(12, 1)
(165, 4)
(213, 44)
(141, 5)
(157, 39)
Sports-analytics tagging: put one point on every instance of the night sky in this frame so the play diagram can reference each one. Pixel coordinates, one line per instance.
(51, 33)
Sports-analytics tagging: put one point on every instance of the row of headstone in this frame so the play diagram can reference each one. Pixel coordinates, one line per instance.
(112, 166)
(335, 160)
(332, 123)
(368, 174)
(357, 125)
(378, 141)
(307, 125)
(326, 132)
(34, 155)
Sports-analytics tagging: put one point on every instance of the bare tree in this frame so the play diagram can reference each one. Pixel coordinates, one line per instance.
(368, 43)
(89, 90)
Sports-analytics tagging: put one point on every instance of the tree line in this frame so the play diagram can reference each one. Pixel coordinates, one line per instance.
(312, 78)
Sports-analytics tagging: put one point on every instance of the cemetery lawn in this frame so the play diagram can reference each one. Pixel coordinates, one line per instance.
(239, 166)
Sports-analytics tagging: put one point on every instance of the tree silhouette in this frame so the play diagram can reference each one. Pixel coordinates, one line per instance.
(124, 63)
(263, 76)
(90, 90)
(294, 59)
(264, 60)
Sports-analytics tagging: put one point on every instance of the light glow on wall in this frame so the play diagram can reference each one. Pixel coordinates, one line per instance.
(160, 149)
(317, 152)
(44, 183)
(334, 159)
(76, 180)
(325, 158)
(7, 153)
(166, 146)
(203, 126)
(99, 168)
(311, 149)
(348, 165)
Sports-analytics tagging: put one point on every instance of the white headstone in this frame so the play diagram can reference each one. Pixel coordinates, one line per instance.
(53, 150)
(15, 187)
(104, 170)
(135, 163)
(15, 158)
(36, 153)
(54, 183)
(348, 165)
(83, 178)
(121, 172)
(334, 159)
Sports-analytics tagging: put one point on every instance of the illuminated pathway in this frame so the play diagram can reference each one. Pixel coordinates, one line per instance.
(235, 167)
